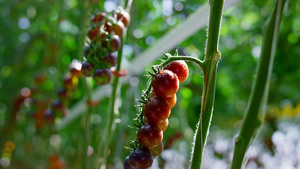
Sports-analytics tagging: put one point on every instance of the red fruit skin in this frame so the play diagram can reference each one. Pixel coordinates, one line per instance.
(98, 18)
(156, 151)
(124, 17)
(102, 76)
(157, 109)
(165, 83)
(163, 125)
(140, 158)
(115, 43)
(150, 135)
(171, 100)
(111, 58)
(93, 33)
(87, 68)
(180, 68)
(126, 163)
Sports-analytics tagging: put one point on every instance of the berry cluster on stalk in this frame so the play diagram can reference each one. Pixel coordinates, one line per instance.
(105, 34)
(45, 111)
(157, 102)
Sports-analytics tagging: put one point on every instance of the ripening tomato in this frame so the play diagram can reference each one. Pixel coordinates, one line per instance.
(156, 151)
(115, 43)
(157, 109)
(93, 33)
(140, 158)
(126, 163)
(71, 82)
(165, 83)
(124, 17)
(180, 68)
(163, 125)
(102, 76)
(149, 135)
(87, 68)
(98, 18)
(171, 100)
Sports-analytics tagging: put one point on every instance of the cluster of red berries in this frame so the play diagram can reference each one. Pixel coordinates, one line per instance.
(43, 114)
(105, 36)
(156, 112)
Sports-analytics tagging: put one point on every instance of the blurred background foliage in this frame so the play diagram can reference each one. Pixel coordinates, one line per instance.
(41, 38)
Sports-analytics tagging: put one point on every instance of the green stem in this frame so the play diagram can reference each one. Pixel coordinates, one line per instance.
(251, 121)
(209, 68)
(85, 125)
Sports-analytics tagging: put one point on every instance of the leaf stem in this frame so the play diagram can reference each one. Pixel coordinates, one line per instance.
(209, 68)
(251, 121)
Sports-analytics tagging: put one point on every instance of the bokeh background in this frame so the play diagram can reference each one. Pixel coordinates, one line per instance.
(40, 38)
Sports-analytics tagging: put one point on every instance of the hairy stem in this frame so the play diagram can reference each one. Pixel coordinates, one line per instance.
(251, 121)
(209, 68)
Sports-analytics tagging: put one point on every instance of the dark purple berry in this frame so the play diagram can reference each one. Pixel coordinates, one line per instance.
(115, 43)
(87, 68)
(140, 158)
(86, 51)
(111, 58)
(102, 76)
(57, 105)
(126, 163)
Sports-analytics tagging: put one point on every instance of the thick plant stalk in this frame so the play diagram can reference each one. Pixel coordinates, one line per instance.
(251, 121)
(209, 69)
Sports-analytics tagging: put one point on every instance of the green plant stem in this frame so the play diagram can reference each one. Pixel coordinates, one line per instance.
(85, 125)
(251, 121)
(209, 69)
(111, 113)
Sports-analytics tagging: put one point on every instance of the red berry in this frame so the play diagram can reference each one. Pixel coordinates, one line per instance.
(180, 68)
(157, 109)
(150, 135)
(165, 83)
(126, 163)
(140, 158)
(102, 76)
(93, 33)
(163, 125)
(171, 100)
(156, 151)
(87, 68)
(124, 17)
(111, 58)
(115, 43)
(98, 18)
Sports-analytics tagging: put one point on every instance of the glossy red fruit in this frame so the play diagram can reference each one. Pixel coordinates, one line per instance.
(75, 68)
(117, 29)
(93, 33)
(157, 109)
(140, 158)
(157, 150)
(149, 135)
(102, 76)
(165, 83)
(126, 163)
(111, 58)
(124, 17)
(98, 18)
(115, 43)
(171, 100)
(180, 68)
(87, 69)
(163, 125)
